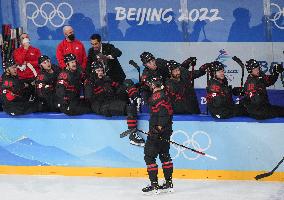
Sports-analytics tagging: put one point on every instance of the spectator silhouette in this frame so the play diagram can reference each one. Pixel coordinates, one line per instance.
(131, 33)
(240, 30)
(260, 33)
(137, 32)
(113, 33)
(147, 31)
(165, 31)
(169, 30)
(83, 26)
(267, 31)
(44, 33)
(204, 34)
(184, 28)
(197, 28)
(57, 34)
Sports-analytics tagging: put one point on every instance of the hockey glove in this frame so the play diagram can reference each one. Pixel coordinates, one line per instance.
(277, 69)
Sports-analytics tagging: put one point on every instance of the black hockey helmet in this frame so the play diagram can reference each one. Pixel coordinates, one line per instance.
(69, 57)
(96, 65)
(157, 81)
(146, 57)
(251, 64)
(216, 66)
(43, 58)
(171, 65)
(9, 63)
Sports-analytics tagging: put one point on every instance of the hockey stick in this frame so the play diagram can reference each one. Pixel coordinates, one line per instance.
(192, 64)
(19, 32)
(282, 78)
(136, 66)
(6, 29)
(260, 176)
(185, 147)
(11, 43)
(237, 60)
(207, 80)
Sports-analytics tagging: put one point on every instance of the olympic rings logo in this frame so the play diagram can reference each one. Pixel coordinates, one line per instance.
(54, 13)
(190, 142)
(277, 16)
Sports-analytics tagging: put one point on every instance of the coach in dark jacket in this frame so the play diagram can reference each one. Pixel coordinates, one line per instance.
(108, 54)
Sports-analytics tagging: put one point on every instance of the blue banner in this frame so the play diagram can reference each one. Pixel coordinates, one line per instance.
(162, 20)
(90, 140)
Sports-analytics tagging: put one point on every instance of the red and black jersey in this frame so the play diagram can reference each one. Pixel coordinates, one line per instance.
(46, 82)
(68, 85)
(162, 71)
(161, 111)
(12, 89)
(182, 96)
(189, 75)
(15, 100)
(101, 89)
(255, 89)
(219, 94)
(106, 89)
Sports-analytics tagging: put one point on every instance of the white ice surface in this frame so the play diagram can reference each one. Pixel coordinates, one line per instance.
(14, 187)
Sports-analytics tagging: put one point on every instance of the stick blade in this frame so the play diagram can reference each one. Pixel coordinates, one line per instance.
(260, 176)
(127, 132)
(209, 156)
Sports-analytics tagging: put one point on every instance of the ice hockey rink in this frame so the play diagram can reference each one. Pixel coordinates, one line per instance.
(52, 156)
(15, 187)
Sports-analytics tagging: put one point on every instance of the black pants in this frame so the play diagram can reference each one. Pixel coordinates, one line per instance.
(154, 147)
(226, 112)
(21, 108)
(29, 91)
(265, 111)
(76, 107)
(49, 104)
(186, 107)
(109, 107)
(116, 108)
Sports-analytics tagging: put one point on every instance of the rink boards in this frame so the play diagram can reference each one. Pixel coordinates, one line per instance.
(89, 145)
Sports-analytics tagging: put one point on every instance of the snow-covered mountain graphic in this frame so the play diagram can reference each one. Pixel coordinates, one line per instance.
(7, 158)
(109, 157)
(4, 139)
(29, 149)
(27, 152)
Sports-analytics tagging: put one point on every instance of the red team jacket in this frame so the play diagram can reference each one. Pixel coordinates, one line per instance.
(31, 56)
(76, 47)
